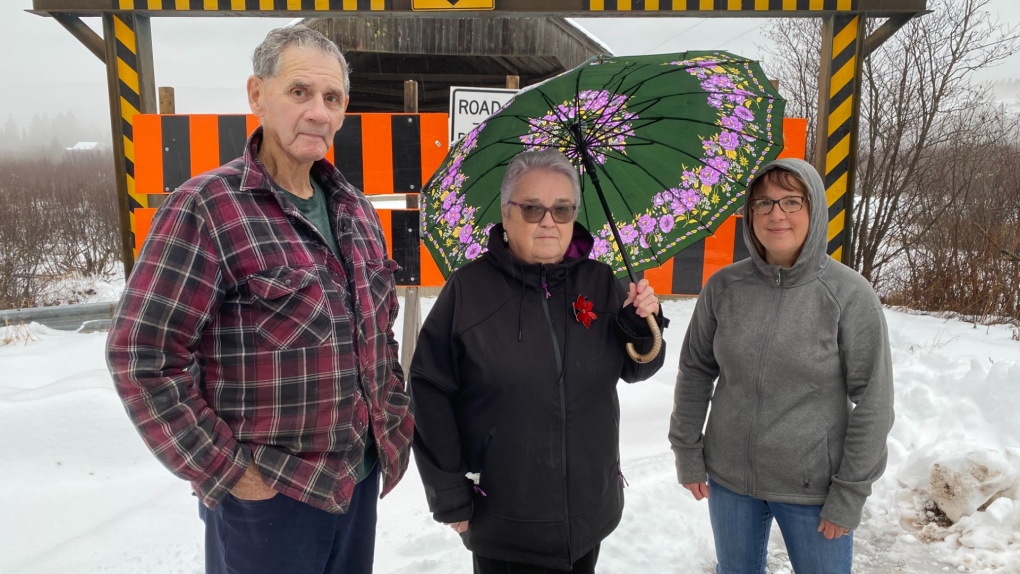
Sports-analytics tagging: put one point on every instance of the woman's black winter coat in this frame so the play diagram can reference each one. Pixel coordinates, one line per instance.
(507, 383)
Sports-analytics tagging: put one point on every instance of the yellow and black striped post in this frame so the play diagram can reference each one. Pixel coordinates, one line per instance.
(838, 106)
(132, 91)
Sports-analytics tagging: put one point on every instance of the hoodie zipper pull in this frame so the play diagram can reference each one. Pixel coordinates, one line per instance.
(545, 285)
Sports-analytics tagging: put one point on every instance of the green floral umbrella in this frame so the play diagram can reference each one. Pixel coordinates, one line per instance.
(665, 145)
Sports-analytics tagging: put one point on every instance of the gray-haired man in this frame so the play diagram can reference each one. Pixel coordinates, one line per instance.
(253, 347)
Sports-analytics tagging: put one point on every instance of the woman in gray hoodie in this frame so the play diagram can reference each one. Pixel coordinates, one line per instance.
(790, 349)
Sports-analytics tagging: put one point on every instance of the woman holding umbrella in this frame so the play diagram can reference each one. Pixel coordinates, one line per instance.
(796, 348)
(513, 383)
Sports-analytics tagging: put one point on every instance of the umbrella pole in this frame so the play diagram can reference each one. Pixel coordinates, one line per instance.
(589, 167)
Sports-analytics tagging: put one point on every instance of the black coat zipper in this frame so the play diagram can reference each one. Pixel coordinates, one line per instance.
(563, 409)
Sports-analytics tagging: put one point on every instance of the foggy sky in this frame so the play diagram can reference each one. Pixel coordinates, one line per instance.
(207, 60)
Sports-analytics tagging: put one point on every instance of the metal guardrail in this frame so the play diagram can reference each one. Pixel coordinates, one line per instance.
(85, 318)
(91, 317)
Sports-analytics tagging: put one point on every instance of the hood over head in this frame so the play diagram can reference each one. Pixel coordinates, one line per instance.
(813, 257)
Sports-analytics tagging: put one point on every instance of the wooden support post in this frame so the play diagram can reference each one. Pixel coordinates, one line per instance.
(410, 97)
(513, 82)
(167, 104)
(411, 312)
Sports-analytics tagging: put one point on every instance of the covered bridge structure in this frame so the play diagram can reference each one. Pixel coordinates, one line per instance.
(440, 52)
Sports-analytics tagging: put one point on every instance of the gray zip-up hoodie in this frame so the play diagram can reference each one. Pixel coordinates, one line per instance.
(804, 397)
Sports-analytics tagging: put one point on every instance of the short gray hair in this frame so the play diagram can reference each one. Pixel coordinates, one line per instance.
(266, 59)
(548, 159)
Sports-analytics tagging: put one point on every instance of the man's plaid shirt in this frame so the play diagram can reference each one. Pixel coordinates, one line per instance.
(233, 341)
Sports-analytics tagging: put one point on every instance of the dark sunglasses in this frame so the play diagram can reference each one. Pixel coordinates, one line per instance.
(533, 213)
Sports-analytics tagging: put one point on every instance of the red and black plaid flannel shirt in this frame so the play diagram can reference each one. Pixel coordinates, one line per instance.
(233, 341)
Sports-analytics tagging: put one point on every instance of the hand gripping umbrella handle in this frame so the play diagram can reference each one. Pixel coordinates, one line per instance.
(656, 344)
(577, 129)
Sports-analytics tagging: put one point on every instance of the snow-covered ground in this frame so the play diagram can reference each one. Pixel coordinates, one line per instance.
(79, 493)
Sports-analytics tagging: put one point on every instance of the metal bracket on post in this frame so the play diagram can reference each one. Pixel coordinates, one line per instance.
(885, 31)
(839, 88)
(84, 34)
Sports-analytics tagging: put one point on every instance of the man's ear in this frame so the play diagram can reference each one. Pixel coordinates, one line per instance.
(256, 87)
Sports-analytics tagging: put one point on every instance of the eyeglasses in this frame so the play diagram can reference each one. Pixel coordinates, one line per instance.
(534, 213)
(789, 204)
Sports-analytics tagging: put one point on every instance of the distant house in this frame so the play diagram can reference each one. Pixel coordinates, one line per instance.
(86, 146)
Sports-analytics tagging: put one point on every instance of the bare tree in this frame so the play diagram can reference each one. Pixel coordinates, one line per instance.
(961, 225)
(792, 59)
(917, 95)
(87, 224)
(24, 233)
(59, 221)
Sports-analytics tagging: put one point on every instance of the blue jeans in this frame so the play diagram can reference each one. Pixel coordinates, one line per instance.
(283, 535)
(741, 525)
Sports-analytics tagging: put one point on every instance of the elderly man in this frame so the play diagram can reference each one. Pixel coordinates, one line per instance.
(253, 347)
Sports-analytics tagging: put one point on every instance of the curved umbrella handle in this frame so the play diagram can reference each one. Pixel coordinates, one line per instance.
(656, 344)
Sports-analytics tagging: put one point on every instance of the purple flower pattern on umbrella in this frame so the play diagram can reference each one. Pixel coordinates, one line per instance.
(628, 233)
(743, 113)
(732, 123)
(728, 140)
(605, 113)
(456, 228)
(709, 176)
(646, 223)
(689, 198)
(729, 157)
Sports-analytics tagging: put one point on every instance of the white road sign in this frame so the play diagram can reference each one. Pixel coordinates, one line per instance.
(470, 106)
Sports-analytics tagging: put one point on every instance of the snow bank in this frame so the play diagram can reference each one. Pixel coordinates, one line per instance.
(80, 493)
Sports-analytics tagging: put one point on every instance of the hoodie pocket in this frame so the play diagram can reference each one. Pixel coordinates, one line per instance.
(804, 470)
(289, 308)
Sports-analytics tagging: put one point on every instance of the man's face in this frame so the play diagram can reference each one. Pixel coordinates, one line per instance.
(301, 107)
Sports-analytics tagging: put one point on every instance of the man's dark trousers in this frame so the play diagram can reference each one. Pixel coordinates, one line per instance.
(283, 536)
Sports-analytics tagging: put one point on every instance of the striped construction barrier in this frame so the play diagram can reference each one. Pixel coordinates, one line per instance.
(378, 153)
(386, 154)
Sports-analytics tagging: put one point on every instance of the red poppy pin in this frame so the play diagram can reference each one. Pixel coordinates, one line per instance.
(583, 311)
